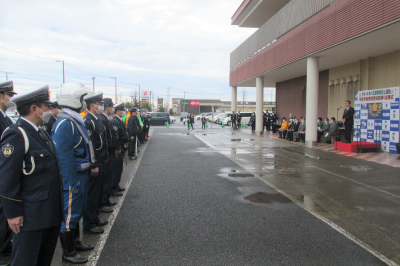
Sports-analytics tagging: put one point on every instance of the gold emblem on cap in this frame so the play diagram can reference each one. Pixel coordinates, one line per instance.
(89, 132)
(44, 128)
(7, 149)
(115, 128)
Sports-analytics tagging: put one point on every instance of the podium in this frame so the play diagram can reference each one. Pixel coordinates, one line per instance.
(357, 146)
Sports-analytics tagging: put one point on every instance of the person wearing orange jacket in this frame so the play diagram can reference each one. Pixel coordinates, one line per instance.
(283, 129)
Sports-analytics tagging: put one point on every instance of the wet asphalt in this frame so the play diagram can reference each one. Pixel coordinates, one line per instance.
(204, 200)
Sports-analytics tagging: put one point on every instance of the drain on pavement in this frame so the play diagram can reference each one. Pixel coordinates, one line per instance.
(266, 198)
(243, 175)
(242, 140)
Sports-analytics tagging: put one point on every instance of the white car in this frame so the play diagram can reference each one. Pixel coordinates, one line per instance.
(171, 119)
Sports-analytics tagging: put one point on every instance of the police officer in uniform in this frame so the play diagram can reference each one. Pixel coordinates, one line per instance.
(133, 130)
(145, 121)
(233, 120)
(76, 156)
(54, 110)
(239, 119)
(6, 93)
(112, 145)
(31, 188)
(97, 134)
(122, 144)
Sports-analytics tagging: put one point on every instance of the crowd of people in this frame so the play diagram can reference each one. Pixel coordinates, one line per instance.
(61, 162)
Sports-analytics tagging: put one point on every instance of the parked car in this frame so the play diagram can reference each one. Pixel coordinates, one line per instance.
(172, 119)
(183, 116)
(158, 118)
(218, 118)
(222, 117)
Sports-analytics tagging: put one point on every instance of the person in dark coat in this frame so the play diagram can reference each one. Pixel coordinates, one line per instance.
(238, 119)
(253, 122)
(348, 121)
(98, 136)
(273, 122)
(122, 145)
(203, 122)
(133, 130)
(31, 188)
(6, 93)
(233, 120)
(190, 121)
(112, 145)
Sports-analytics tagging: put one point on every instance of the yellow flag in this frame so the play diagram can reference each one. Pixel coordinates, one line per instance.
(213, 112)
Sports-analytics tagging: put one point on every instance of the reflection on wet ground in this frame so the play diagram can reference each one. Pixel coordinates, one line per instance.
(359, 196)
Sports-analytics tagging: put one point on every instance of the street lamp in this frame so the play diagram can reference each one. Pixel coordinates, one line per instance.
(115, 78)
(63, 70)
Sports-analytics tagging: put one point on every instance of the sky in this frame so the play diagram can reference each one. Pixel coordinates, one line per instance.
(183, 45)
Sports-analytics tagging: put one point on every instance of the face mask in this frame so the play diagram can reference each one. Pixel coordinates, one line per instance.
(100, 110)
(123, 113)
(9, 104)
(112, 111)
(302, 121)
(46, 115)
(283, 120)
(331, 121)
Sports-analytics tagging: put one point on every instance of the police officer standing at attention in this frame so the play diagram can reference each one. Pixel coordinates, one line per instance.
(112, 145)
(122, 143)
(233, 120)
(145, 121)
(97, 134)
(76, 156)
(203, 122)
(133, 130)
(6, 93)
(31, 188)
(54, 110)
(239, 119)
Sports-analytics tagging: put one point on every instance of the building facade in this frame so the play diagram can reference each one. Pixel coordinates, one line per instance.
(316, 53)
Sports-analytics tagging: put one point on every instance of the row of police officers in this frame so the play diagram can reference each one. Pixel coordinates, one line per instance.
(57, 167)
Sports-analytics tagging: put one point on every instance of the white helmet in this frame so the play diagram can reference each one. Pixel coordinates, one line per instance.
(69, 95)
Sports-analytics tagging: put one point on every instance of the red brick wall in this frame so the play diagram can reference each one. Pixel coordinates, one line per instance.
(340, 21)
(291, 97)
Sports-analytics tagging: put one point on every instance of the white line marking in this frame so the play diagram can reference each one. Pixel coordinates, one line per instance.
(95, 255)
(330, 223)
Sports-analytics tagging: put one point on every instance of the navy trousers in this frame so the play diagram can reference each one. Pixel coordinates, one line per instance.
(95, 189)
(117, 173)
(35, 248)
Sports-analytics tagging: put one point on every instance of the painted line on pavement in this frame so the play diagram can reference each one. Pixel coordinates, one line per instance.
(95, 255)
(327, 221)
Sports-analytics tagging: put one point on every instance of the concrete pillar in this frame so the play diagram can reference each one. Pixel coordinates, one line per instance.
(234, 99)
(259, 104)
(312, 101)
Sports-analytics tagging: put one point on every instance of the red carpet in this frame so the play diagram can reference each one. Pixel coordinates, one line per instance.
(352, 147)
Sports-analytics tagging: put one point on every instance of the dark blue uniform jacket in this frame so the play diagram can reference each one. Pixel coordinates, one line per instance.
(119, 127)
(97, 134)
(30, 178)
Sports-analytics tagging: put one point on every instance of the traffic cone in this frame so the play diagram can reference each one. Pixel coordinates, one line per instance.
(222, 124)
(242, 124)
(206, 124)
(167, 124)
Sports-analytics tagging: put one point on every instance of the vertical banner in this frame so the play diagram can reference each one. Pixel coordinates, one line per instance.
(377, 114)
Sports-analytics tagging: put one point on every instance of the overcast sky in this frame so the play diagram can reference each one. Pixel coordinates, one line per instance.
(180, 44)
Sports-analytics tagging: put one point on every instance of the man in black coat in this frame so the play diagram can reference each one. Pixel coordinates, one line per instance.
(348, 121)
(133, 131)
(190, 120)
(98, 136)
(233, 120)
(238, 119)
(6, 93)
(203, 122)
(112, 145)
(31, 197)
(122, 144)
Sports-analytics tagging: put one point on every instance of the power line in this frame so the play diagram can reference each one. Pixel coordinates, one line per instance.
(27, 54)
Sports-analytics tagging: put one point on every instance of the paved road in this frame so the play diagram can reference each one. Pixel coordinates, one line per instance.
(188, 205)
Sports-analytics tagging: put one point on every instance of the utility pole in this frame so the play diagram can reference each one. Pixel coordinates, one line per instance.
(7, 75)
(63, 70)
(184, 98)
(93, 82)
(116, 95)
(168, 93)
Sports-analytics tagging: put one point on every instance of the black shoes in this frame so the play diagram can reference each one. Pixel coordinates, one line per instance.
(69, 251)
(78, 243)
(94, 231)
(106, 210)
(2, 263)
(111, 203)
(101, 222)
(116, 194)
(121, 189)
